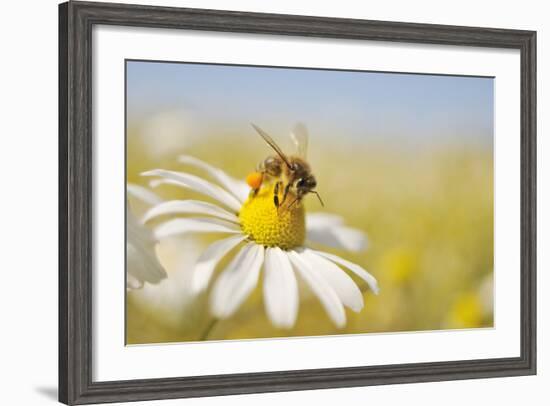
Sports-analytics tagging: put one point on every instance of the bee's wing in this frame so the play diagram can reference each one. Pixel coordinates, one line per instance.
(267, 138)
(300, 138)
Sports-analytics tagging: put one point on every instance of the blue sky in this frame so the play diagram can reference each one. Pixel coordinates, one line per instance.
(342, 103)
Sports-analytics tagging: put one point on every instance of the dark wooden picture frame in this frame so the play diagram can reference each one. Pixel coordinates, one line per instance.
(76, 20)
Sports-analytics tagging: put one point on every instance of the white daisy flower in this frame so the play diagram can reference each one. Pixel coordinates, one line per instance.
(258, 237)
(142, 264)
(168, 293)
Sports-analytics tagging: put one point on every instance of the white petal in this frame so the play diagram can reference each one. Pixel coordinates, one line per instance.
(141, 259)
(280, 289)
(134, 265)
(345, 238)
(356, 269)
(237, 281)
(189, 207)
(197, 184)
(142, 264)
(343, 285)
(194, 225)
(326, 294)
(133, 283)
(328, 229)
(323, 220)
(210, 258)
(238, 188)
(143, 194)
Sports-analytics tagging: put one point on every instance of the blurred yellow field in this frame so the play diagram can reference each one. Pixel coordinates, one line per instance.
(429, 221)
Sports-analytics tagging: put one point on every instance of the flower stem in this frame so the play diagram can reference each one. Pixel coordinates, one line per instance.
(208, 329)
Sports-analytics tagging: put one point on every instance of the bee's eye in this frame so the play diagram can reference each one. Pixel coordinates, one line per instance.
(300, 182)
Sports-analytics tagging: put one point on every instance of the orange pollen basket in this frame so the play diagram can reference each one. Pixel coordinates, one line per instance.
(254, 180)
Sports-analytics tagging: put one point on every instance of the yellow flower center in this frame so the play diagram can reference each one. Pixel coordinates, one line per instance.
(263, 223)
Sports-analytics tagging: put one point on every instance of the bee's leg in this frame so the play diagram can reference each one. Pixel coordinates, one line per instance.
(264, 179)
(293, 203)
(276, 194)
(285, 194)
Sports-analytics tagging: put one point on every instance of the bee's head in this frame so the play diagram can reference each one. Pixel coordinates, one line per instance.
(307, 183)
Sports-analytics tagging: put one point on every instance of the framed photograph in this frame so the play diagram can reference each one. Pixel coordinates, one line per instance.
(258, 202)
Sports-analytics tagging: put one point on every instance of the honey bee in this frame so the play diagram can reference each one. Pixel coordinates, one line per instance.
(291, 173)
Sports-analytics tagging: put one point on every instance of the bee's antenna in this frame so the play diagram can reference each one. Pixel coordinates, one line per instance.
(318, 197)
